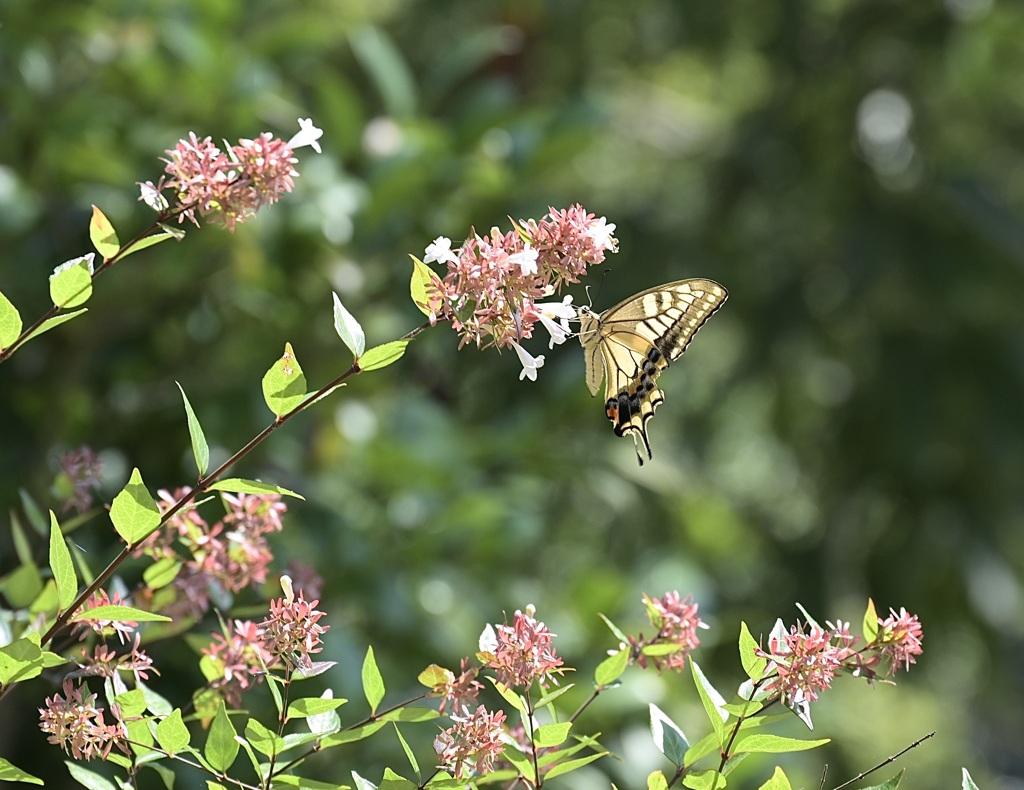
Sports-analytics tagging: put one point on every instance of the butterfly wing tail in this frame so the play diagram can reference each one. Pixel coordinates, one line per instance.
(630, 412)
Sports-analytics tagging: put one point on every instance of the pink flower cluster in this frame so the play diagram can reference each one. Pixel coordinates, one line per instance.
(241, 658)
(230, 554)
(803, 661)
(292, 631)
(677, 623)
(521, 653)
(76, 724)
(493, 283)
(472, 743)
(285, 639)
(459, 691)
(228, 186)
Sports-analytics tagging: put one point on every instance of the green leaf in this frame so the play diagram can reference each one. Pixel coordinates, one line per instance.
(509, 695)
(433, 676)
(668, 737)
(410, 714)
(521, 763)
(71, 283)
(807, 616)
(660, 649)
(237, 485)
(284, 385)
(733, 761)
(102, 235)
(870, 623)
(408, 753)
(155, 703)
(967, 783)
(221, 748)
(614, 629)
(893, 783)
(88, 779)
(753, 664)
(355, 734)
(132, 703)
(348, 329)
(200, 449)
(657, 781)
(149, 241)
(382, 356)
(775, 744)
(20, 660)
(702, 748)
(62, 566)
(325, 723)
(424, 287)
(57, 320)
(36, 517)
(161, 573)
(746, 710)
(548, 735)
(705, 780)
(133, 511)
(265, 741)
(363, 784)
(172, 734)
(547, 699)
(313, 706)
(275, 693)
(22, 586)
(373, 683)
(10, 322)
(611, 669)
(121, 614)
(22, 546)
(166, 774)
(572, 765)
(11, 773)
(779, 781)
(712, 701)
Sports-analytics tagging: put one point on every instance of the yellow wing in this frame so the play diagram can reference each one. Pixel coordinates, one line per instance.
(630, 344)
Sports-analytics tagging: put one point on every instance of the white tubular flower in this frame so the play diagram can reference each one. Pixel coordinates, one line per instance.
(562, 311)
(307, 135)
(527, 259)
(440, 250)
(530, 363)
(600, 232)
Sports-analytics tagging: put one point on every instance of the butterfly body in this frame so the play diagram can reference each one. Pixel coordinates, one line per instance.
(630, 344)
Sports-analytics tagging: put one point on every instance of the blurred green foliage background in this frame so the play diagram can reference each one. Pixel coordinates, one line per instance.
(849, 425)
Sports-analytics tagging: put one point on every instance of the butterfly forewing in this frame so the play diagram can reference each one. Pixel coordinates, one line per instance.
(630, 344)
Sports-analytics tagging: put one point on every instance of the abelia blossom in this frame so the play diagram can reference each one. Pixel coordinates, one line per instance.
(470, 746)
(229, 186)
(242, 657)
(493, 282)
(899, 638)
(77, 725)
(461, 690)
(521, 653)
(677, 623)
(292, 632)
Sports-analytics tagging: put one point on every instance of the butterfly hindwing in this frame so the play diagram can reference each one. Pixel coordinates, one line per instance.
(630, 344)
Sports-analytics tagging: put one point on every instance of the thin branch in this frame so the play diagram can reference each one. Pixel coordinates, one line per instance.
(885, 762)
